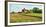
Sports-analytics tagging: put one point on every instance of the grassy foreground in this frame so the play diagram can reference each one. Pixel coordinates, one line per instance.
(23, 17)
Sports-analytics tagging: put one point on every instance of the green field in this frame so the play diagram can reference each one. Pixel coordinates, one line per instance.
(23, 17)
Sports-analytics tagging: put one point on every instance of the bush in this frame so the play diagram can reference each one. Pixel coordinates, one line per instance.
(12, 12)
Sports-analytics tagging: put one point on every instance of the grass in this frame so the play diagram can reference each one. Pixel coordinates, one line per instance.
(23, 17)
(34, 15)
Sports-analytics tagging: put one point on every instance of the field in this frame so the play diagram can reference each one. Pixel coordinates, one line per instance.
(23, 17)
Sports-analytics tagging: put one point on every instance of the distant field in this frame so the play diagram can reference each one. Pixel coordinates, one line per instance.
(23, 17)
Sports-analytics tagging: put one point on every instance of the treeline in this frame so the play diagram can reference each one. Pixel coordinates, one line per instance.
(36, 10)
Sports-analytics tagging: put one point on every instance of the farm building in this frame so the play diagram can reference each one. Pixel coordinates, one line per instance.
(24, 10)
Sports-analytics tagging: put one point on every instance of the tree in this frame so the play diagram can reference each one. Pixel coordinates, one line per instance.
(35, 9)
(40, 11)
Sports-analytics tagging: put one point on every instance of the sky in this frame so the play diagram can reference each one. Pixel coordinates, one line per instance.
(17, 7)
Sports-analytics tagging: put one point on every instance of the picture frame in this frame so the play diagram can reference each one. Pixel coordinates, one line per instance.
(22, 24)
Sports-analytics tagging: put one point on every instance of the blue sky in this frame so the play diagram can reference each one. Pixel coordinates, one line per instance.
(19, 7)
